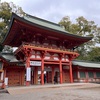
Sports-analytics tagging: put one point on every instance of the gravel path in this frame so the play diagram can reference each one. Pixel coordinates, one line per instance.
(84, 92)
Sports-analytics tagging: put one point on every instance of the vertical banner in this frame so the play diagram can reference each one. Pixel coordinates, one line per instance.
(6, 81)
(28, 74)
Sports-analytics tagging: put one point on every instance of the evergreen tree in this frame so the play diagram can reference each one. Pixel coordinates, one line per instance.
(82, 27)
(6, 10)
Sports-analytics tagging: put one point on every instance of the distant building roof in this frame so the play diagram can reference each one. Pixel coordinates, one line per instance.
(9, 57)
(86, 64)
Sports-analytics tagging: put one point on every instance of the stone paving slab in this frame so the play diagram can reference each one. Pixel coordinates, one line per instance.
(88, 91)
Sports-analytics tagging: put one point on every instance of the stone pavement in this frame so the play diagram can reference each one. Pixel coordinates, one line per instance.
(28, 89)
(75, 91)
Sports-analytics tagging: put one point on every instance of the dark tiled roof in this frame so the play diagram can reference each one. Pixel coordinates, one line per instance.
(45, 25)
(50, 25)
(9, 57)
(86, 64)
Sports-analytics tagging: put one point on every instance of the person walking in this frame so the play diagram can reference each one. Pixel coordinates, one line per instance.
(55, 79)
(44, 78)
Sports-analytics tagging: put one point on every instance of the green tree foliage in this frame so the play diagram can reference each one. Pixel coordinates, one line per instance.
(82, 27)
(94, 54)
(6, 10)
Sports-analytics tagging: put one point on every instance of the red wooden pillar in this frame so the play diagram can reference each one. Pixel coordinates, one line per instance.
(36, 75)
(70, 70)
(53, 72)
(94, 74)
(42, 69)
(60, 68)
(3, 83)
(78, 74)
(47, 77)
(87, 76)
(4, 74)
(32, 77)
(28, 71)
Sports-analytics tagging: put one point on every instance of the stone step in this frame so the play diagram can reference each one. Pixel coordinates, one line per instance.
(3, 91)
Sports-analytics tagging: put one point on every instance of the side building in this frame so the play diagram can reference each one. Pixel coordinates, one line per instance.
(84, 71)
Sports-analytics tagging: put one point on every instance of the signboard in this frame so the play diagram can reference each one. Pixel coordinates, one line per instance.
(65, 67)
(35, 63)
(28, 74)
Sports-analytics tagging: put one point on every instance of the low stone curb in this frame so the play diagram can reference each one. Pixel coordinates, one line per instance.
(3, 91)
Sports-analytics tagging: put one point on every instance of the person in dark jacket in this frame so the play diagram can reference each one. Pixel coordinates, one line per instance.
(55, 79)
(44, 78)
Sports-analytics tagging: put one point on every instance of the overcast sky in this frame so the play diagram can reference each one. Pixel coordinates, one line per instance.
(54, 10)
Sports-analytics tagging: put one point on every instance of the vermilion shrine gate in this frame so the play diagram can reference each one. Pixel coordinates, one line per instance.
(42, 46)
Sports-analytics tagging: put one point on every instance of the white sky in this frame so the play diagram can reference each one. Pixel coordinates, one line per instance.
(55, 10)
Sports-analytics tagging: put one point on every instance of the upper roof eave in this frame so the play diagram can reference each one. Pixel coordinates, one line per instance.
(61, 29)
(14, 16)
(12, 19)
